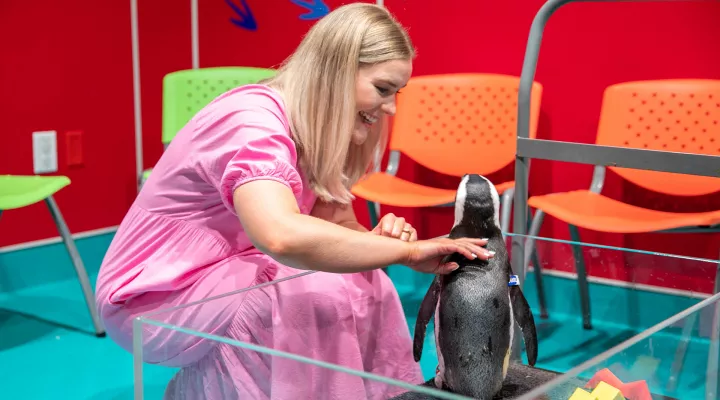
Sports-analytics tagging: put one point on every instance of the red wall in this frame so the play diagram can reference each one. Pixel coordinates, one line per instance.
(586, 47)
(68, 67)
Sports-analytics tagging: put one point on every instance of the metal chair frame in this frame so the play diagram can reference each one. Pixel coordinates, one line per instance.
(77, 264)
(599, 156)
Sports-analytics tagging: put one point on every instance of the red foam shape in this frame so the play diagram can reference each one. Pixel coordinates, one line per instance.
(637, 390)
(605, 375)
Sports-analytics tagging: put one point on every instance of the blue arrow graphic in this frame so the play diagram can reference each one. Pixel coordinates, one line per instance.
(246, 19)
(316, 8)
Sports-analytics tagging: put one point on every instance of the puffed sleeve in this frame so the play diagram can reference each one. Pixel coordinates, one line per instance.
(244, 137)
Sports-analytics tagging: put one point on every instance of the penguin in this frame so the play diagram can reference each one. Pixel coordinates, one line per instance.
(476, 306)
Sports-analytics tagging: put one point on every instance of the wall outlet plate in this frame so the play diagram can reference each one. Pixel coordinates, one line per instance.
(73, 148)
(45, 157)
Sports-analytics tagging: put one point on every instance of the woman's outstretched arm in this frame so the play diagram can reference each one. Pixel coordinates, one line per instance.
(270, 216)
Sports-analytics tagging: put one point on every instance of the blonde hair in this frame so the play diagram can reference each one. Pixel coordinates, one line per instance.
(318, 82)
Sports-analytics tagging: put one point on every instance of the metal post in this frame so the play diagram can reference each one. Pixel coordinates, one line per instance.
(136, 89)
(194, 34)
(523, 131)
(522, 163)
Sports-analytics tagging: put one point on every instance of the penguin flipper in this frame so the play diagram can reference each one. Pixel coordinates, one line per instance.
(524, 318)
(426, 312)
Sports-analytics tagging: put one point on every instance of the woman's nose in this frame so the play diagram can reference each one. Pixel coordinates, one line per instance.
(389, 108)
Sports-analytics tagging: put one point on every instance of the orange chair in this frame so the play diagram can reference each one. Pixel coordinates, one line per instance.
(681, 115)
(452, 124)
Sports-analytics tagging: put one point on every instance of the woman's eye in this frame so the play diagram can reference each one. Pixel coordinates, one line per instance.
(382, 90)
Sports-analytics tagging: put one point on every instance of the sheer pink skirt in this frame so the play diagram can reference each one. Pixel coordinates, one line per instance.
(352, 320)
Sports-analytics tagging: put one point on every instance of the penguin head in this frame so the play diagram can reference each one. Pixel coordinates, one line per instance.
(477, 203)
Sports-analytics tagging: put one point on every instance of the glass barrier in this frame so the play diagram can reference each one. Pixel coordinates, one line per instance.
(626, 292)
(291, 338)
(675, 359)
(259, 354)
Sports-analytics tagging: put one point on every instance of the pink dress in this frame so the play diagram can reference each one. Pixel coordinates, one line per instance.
(181, 242)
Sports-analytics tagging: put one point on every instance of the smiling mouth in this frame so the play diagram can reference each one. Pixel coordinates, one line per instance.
(367, 118)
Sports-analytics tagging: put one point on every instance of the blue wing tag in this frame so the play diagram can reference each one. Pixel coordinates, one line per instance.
(513, 280)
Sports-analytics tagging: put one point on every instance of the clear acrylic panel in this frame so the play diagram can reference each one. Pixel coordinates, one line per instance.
(675, 359)
(273, 359)
(628, 291)
(283, 329)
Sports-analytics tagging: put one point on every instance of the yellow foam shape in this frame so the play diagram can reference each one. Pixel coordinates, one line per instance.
(603, 391)
(580, 394)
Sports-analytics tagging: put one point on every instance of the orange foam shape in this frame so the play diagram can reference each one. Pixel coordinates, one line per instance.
(637, 390)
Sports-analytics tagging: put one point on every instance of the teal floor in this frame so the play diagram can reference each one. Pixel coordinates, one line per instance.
(47, 350)
(44, 356)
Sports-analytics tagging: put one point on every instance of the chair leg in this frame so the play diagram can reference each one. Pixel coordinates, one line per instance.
(688, 326)
(582, 277)
(505, 209)
(680, 352)
(531, 253)
(374, 219)
(372, 212)
(141, 182)
(77, 263)
(712, 375)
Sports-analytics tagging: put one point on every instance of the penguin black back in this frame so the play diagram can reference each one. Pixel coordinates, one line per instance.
(474, 308)
(477, 207)
(477, 215)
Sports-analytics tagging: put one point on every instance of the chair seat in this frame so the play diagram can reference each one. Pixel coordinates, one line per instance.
(594, 211)
(390, 190)
(18, 191)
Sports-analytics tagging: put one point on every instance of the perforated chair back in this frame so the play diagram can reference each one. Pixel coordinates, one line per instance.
(186, 92)
(679, 115)
(461, 123)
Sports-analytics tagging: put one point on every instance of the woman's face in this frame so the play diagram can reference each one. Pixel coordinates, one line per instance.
(375, 90)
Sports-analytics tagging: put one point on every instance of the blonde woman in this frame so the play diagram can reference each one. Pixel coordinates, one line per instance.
(256, 188)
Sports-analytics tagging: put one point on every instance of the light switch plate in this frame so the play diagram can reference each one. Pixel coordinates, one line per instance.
(45, 157)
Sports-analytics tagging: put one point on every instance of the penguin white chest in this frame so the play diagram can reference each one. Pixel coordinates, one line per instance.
(506, 362)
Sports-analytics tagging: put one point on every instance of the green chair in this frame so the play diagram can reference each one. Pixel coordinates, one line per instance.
(186, 92)
(21, 191)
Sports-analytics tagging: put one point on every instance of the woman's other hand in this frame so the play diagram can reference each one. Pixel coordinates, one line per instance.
(395, 227)
(427, 255)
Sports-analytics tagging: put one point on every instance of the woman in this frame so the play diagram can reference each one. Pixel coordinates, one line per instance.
(256, 188)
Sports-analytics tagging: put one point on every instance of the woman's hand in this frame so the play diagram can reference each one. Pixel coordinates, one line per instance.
(427, 255)
(395, 227)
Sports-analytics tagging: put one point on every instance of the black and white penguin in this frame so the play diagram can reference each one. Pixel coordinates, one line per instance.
(476, 306)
